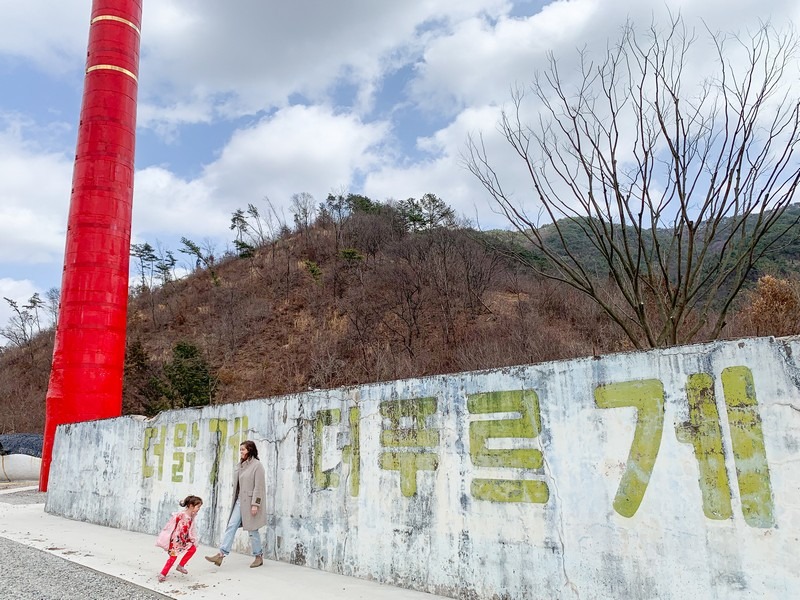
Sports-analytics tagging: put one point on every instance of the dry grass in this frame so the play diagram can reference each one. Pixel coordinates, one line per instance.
(413, 309)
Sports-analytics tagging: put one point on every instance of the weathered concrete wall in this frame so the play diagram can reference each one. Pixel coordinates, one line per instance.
(661, 474)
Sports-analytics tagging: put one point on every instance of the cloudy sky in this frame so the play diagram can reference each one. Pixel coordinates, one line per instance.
(249, 99)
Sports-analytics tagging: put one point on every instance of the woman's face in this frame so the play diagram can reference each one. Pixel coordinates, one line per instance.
(243, 452)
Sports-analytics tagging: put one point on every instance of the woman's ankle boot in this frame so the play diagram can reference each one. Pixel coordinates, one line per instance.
(216, 559)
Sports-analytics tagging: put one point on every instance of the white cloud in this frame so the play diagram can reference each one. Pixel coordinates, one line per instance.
(257, 55)
(478, 61)
(446, 174)
(165, 204)
(50, 34)
(34, 196)
(297, 149)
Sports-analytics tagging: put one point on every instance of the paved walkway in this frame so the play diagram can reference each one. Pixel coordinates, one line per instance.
(133, 557)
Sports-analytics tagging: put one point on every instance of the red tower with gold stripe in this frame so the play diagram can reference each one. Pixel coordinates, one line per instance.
(89, 354)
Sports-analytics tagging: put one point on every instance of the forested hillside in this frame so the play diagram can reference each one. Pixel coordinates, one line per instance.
(352, 292)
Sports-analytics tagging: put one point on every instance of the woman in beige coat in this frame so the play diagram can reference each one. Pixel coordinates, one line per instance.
(249, 492)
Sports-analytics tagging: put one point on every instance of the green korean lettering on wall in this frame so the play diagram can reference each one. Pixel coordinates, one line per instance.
(703, 431)
(747, 442)
(647, 397)
(408, 433)
(185, 439)
(410, 444)
(219, 431)
(157, 437)
(328, 478)
(351, 453)
(527, 426)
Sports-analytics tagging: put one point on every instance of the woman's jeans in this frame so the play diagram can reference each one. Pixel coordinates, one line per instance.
(230, 532)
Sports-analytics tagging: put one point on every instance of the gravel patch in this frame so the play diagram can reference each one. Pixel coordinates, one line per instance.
(24, 497)
(30, 574)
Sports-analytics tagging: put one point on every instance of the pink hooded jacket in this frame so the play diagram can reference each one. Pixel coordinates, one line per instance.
(179, 533)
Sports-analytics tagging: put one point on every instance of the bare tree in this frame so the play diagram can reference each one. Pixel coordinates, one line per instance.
(204, 256)
(255, 229)
(53, 296)
(165, 266)
(146, 258)
(303, 207)
(248, 235)
(335, 212)
(24, 324)
(678, 189)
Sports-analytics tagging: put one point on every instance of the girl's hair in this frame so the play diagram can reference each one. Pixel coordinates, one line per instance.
(191, 501)
(252, 450)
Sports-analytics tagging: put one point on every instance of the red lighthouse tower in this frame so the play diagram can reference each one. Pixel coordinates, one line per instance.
(88, 358)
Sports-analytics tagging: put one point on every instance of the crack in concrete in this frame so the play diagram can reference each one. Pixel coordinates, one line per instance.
(788, 405)
(560, 528)
(792, 370)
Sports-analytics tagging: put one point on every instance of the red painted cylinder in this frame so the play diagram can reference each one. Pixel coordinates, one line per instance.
(89, 354)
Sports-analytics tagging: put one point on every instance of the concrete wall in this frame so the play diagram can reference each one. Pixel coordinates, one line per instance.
(661, 474)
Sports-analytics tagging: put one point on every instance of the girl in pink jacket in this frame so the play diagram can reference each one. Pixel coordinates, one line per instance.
(180, 535)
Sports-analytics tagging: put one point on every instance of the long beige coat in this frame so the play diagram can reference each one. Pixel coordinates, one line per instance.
(250, 489)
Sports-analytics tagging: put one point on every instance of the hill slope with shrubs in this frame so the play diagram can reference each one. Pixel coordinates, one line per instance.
(362, 292)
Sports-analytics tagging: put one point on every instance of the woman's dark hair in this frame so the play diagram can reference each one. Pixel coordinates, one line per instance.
(191, 501)
(252, 450)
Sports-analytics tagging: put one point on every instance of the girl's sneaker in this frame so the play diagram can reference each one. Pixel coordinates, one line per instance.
(162, 578)
(181, 569)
